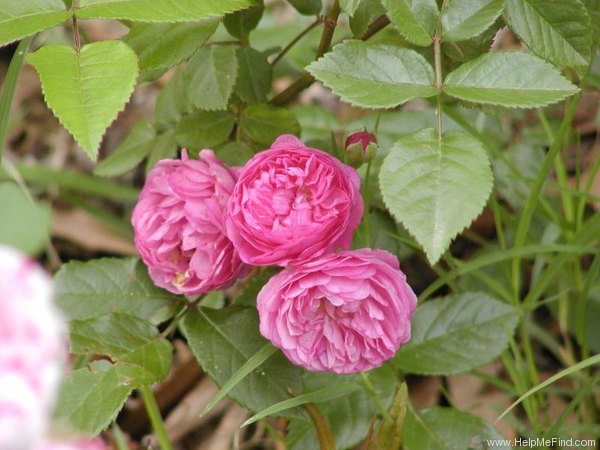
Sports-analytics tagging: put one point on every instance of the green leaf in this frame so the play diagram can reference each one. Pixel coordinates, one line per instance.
(322, 395)
(249, 366)
(20, 19)
(113, 335)
(349, 417)
(366, 12)
(204, 129)
(457, 333)
(436, 190)
(112, 285)
(374, 75)
(86, 91)
(172, 102)
(241, 23)
(90, 398)
(160, 46)
(448, 429)
(264, 123)
(317, 123)
(165, 147)
(161, 11)
(464, 19)
(416, 20)
(24, 224)
(211, 76)
(511, 79)
(234, 154)
(130, 153)
(223, 341)
(308, 7)
(255, 75)
(556, 30)
(350, 6)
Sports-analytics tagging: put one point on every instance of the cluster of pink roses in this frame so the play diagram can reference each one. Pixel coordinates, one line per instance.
(33, 352)
(199, 225)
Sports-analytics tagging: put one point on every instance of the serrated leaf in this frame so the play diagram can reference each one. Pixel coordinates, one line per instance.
(511, 79)
(374, 75)
(172, 102)
(241, 23)
(24, 224)
(436, 190)
(350, 6)
(255, 75)
(158, 11)
(204, 129)
(114, 335)
(211, 76)
(90, 399)
(364, 15)
(556, 30)
(110, 285)
(19, 19)
(464, 19)
(449, 429)
(160, 46)
(223, 340)
(264, 123)
(86, 90)
(416, 20)
(455, 334)
(130, 153)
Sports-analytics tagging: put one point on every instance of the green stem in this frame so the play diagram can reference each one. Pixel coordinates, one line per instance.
(297, 39)
(119, 437)
(10, 85)
(155, 418)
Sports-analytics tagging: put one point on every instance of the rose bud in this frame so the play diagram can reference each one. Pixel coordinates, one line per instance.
(360, 148)
(33, 350)
(344, 312)
(179, 225)
(293, 203)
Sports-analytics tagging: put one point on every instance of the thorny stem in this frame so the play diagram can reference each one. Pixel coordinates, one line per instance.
(297, 39)
(306, 79)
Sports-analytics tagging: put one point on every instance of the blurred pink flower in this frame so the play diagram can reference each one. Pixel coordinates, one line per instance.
(343, 312)
(85, 444)
(293, 203)
(32, 351)
(179, 224)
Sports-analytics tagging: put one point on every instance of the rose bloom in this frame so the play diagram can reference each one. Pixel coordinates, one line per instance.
(32, 351)
(179, 224)
(293, 203)
(86, 444)
(344, 312)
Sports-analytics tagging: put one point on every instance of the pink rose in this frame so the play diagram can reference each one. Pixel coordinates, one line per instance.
(85, 444)
(179, 224)
(343, 312)
(293, 203)
(32, 351)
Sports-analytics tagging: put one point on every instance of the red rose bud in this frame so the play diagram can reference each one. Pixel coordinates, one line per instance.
(360, 148)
